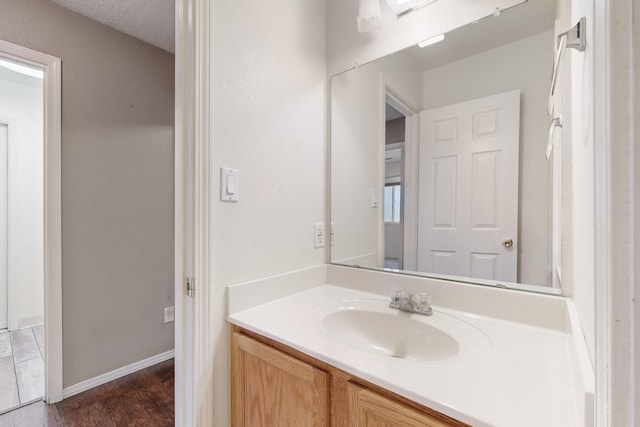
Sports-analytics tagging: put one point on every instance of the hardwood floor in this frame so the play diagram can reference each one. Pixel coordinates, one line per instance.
(144, 398)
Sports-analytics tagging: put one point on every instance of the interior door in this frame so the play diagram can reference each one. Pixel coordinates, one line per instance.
(468, 192)
(4, 285)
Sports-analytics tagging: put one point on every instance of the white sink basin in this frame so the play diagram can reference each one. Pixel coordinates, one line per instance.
(391, 335)
(372, 326)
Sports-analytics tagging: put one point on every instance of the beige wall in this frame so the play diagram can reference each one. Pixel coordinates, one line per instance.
(394, 130)
(635, 363)
(117, 186)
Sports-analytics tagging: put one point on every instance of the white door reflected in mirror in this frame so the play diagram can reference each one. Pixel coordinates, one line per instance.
(468, 195)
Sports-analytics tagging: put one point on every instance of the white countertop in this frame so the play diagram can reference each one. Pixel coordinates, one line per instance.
(521, 378)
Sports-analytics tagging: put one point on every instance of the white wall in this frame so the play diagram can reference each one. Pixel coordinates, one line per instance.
(21, 103)
(355, 166)
(347, 47)
(357, 153)
(578, 239)
(268, 119)
(522, 65)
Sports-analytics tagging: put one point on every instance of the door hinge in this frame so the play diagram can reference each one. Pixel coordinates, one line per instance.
(190, 286)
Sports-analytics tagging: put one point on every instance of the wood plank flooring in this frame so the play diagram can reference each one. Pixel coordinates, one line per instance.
(144, 398)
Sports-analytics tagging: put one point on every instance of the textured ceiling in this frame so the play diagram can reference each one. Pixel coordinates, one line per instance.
(149, 20)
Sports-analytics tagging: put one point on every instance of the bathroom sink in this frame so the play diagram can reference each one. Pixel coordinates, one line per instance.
(391, 335)
(372, 326)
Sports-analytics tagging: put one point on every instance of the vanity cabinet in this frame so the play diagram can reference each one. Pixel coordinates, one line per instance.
(271, 388)
(370, 409)
(275, 385)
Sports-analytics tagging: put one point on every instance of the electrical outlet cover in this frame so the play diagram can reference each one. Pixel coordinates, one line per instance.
(168, 314)
(318, 235)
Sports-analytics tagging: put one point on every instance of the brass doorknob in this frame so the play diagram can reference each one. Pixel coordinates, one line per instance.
(507, 243)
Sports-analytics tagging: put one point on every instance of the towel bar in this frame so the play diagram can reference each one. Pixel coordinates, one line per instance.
(575, 38)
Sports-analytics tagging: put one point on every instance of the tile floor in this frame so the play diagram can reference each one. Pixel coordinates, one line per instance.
(21, 367)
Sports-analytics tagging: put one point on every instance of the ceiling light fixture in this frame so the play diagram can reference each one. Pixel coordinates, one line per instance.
(432, 40)
(369, 16)
(402, 7)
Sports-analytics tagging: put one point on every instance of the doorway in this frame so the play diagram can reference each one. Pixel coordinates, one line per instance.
(30, 227)
(21, 234)
(394, 187)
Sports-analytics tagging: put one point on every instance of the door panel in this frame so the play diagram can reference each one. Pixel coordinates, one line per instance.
(271, 388)
(445, 172)
(468, 201)
(484, 266)
(484, 192)
(371, 409)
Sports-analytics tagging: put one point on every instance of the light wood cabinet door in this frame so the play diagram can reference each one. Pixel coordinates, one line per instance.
(271, 388)
(371, 409)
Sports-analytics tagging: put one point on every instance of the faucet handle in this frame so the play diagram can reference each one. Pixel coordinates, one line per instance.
(424, 301)
(396, 294)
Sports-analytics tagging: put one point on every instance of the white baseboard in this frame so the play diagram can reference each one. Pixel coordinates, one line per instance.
(115, 374)
(30, 322)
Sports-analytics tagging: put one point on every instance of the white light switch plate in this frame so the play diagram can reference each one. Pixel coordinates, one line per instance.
(229, 185)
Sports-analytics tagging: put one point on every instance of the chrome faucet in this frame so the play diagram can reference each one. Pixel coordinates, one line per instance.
(409, 304)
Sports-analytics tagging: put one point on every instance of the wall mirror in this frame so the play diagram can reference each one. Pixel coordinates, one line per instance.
(438, 156)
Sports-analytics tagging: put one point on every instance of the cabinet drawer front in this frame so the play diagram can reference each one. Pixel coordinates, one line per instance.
(371, 409)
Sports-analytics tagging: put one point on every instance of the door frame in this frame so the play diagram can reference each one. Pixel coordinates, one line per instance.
(617, 202)
(52, 85)
(387, 147)
(409, 170)
(194, 346)
(183, 371)
(9, 123)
